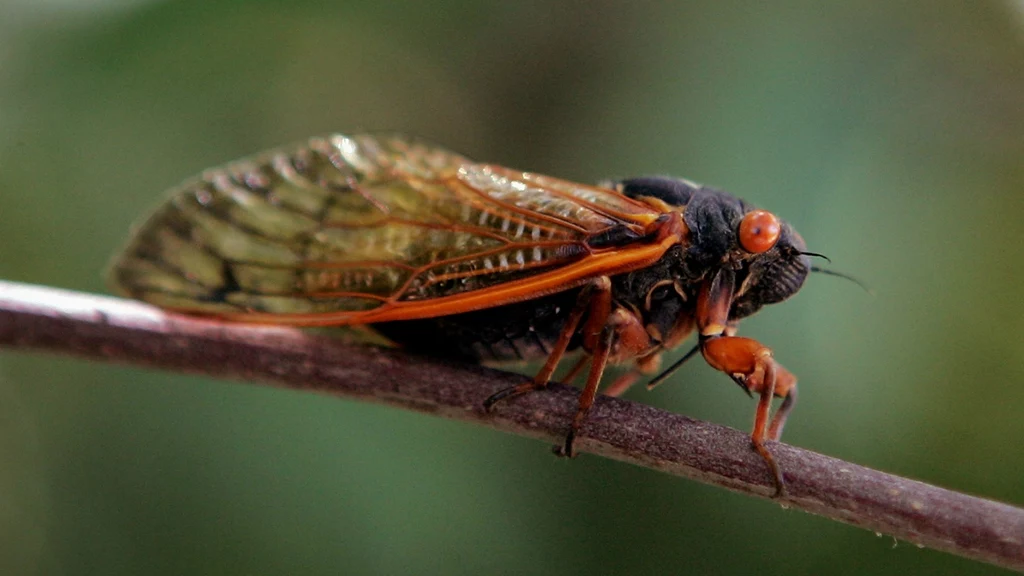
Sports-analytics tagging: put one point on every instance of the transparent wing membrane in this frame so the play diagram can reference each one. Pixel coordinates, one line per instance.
(358, 225)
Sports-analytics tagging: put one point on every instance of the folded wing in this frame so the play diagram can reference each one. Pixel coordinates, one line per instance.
(369, 228)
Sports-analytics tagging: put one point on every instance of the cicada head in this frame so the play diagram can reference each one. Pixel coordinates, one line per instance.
(766, 253)
(772, 276)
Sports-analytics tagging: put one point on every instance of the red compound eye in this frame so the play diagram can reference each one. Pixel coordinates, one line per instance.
(759, 231)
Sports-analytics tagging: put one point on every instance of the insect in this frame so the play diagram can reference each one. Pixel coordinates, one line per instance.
(475, 261)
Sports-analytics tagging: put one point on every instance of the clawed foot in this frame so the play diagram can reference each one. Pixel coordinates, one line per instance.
(511, 392)
(773, 466)
(566, 449)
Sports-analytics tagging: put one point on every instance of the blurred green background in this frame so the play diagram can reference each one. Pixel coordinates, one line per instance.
(891, 134)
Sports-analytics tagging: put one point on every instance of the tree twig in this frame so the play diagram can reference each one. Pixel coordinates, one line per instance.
(38, 318)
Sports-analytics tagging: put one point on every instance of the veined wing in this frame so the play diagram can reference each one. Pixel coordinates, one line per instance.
(359, 229)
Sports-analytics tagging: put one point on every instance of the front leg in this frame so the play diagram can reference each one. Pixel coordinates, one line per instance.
(751, 364)
(746, 361)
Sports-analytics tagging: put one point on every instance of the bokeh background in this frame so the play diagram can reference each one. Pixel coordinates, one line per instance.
(891, 134)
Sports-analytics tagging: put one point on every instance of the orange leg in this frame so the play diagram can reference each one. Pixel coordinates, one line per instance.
(785, 387)
(589, 393)
(576, 369)
(603, 333)
(644, 365)
(751, 363)
(622, 334)
(746, 361)
(619, 386)
(594, 298)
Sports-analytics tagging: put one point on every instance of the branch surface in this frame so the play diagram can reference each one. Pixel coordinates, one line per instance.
(110, 329)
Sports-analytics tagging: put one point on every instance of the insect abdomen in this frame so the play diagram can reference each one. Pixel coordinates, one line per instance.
(521, 331)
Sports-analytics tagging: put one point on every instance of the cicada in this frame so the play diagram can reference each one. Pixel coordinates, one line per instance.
(451, 257)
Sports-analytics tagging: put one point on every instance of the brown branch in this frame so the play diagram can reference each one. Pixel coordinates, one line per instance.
(37, 318)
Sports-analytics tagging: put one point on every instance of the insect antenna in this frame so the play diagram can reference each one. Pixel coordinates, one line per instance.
(816, 255)
(863, 286)
(671, 369)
